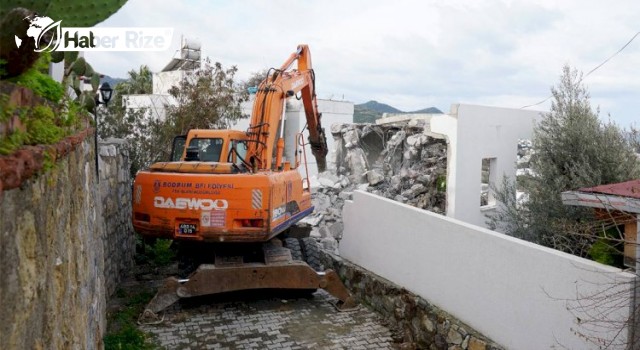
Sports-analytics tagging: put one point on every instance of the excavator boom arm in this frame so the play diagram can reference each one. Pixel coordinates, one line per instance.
(268, 110)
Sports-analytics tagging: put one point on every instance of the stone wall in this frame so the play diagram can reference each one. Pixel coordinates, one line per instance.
(51, 258)
(115, 187)
(422, 325)
(59, 260)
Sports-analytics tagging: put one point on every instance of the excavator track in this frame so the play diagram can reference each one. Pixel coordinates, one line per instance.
(279, 272)
(211, 279)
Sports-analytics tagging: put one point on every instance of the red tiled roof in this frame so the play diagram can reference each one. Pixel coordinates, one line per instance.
(630, 189)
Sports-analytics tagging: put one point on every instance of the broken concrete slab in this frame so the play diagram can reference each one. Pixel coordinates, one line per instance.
(345, 195)
(315, 233)
(417, 140)
(327, 179)
(336, 230)
(351, 138)
(312, 220)
(374, 177)
(414, 119)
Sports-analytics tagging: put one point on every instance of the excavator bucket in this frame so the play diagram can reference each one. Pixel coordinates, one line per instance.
(211, 279)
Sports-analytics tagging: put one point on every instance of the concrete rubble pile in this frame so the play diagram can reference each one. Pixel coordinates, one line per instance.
(397, 161)
(525, 151)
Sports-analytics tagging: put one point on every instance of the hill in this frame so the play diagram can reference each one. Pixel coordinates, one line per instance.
(368, 112)
(379, 107)
(431, 110)
(365, 115)
(112, 81)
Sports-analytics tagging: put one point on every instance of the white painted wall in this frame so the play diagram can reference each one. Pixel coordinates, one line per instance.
(56, 71)
(515, 292)
(473, 133)
(163, 81)
(153, 104)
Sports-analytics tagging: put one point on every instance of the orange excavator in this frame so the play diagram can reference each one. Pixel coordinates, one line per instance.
(233, 197)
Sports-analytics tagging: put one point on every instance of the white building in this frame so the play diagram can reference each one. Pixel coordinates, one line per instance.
(476, 134)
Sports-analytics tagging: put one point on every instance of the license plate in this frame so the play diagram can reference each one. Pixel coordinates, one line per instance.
(187, 229)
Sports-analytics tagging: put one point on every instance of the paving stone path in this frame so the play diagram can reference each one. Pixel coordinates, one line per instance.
(269, 322)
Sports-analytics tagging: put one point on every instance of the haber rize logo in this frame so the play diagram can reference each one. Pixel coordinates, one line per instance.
(39, 27)
(48, 35)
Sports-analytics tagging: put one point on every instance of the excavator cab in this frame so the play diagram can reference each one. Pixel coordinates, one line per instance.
(208, 146)
(177, 148)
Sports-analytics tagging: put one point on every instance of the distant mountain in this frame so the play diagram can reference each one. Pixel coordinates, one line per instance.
(370, 111)
(112, 81)
(365, 115)
(378, 107)
(430, 110)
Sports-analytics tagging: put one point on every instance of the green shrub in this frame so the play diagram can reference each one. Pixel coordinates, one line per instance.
(6, 111)
(13, 142)
(41, 84)
(441, 183)
(37, 79)
(123, 333)
(161, 253)
(72, 116)
(603, 252)
(42, 128)
(48, 162)
(3, 70)
(127, 338)
(608, 248)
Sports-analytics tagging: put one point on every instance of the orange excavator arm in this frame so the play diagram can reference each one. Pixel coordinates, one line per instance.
(268, 109)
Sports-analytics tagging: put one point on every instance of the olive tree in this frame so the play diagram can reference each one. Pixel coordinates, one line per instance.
(206, 98)
(572, 148)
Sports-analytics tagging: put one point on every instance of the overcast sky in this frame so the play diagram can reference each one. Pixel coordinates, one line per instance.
(410, 54)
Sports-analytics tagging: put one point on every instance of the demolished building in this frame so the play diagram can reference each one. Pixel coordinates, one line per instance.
(442, 163)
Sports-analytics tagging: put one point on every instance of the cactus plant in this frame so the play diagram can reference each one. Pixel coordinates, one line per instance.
(70, 56)
(57, 56)
(95, 82)
(16, 59)
(87, 100)
(77, 70)
(72, 13)
(79, 66)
